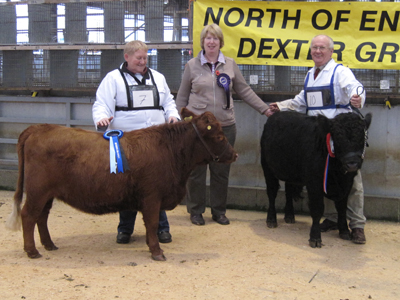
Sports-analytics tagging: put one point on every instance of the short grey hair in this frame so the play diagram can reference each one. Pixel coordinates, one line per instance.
(330, 41)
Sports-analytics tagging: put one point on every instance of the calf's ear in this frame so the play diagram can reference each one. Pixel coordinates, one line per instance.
(208, 117)
(207, 121)
(187, 114)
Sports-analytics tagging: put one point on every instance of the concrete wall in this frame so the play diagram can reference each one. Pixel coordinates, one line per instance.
(381, 172)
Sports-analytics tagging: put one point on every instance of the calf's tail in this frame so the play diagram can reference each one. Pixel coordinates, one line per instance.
(14, 219)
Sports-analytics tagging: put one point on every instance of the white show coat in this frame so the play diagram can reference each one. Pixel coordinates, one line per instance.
(345, 85)
(112, 92)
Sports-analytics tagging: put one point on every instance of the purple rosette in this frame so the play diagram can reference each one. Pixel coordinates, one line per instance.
(223, 81)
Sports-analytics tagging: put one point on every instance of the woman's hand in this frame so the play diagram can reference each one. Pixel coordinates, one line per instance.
(273, 108)
(104, 122)
(172, 120)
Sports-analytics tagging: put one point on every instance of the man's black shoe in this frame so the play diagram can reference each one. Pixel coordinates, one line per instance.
(328, 225)
(221, 219)
(197, 219)
(123, 238)
(164, 237)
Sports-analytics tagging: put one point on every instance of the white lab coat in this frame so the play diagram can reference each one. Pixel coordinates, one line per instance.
(345, 85)
(112, 92)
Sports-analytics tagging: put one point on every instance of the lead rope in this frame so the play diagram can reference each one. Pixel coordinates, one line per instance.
(215, 157)
(366, 143)
(331, 153)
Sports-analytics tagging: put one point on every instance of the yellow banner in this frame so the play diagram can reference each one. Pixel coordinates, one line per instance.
(366, 34)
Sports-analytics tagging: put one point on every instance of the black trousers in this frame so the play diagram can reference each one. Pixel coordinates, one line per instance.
(219, 180)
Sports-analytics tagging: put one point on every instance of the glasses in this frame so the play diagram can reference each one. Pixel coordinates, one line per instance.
(322, 49)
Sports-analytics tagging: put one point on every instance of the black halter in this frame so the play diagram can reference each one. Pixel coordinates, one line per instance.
(215, 157)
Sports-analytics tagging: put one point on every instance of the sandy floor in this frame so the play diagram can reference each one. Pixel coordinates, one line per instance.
(244, 260)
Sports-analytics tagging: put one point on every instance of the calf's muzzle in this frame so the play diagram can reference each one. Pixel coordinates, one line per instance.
(352, 161)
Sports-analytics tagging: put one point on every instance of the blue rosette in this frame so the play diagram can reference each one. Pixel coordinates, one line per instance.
(115, 150)
(223, 81)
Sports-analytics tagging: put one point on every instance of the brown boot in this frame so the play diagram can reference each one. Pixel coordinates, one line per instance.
(358, 236)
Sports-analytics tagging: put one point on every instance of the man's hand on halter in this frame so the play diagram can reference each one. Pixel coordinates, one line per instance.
(355, 101)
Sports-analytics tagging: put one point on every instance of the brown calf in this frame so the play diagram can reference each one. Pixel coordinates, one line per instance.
(73, 166)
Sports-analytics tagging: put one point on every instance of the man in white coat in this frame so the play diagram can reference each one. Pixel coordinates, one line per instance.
(129, 98)
(331, 89)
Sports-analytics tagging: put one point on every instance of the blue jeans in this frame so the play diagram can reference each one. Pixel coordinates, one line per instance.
(127, 221)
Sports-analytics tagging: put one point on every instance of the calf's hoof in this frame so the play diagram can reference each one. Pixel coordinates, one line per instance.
(33, 254)
(272, 223)
(345, 235)
(50, 247)
(160, 257)
(290, 219)
(315, 243)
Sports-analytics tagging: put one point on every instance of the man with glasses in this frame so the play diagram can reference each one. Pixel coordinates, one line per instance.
(331, 89)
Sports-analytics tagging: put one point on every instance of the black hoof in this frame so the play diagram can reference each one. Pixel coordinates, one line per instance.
(345, 236)
(290, 220)
(315, 243)
(272, 224)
